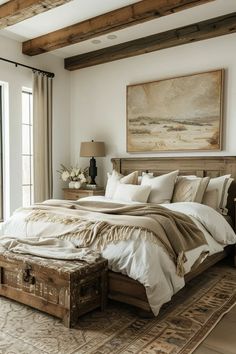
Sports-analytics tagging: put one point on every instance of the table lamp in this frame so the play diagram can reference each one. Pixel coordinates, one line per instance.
(92, 149)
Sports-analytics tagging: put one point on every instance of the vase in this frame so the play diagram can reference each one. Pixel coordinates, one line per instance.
(72, 184)
(77, 185)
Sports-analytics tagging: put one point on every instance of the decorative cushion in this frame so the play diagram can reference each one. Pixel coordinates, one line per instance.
(143, 174)
(225, 197)
(161, 187)
(190, 189)
(210, 198)
(132, 193)
(132, 178)
(115, 178)
(221, 185)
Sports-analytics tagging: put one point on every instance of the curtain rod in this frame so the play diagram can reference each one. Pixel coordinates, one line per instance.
(47, 73)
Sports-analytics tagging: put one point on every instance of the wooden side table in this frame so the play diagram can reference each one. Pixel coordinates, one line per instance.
(74, 194)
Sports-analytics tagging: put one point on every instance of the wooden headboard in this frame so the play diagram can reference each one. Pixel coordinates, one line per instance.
(200, 166)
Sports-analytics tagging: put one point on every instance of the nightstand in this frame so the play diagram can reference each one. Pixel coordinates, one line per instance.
(74, 194)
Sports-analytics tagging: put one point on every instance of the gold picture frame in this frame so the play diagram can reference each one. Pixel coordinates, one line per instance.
(177, 114)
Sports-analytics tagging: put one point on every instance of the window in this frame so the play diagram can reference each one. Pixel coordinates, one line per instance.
(27, 148)
(4, 152)
(1, 157)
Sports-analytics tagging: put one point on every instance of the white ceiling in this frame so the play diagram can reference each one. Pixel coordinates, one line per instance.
(79, 10)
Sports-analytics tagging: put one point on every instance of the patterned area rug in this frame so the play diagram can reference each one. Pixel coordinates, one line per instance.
(179, 329)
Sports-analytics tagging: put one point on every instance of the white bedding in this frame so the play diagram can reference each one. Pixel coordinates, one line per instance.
(147, 262)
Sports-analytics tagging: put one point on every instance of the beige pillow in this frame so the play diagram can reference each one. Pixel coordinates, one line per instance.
(224, 210)
(115, 178)
(132, 193)
(161, 187)
(132, 178)
(210, 198)
(190, 189)
(221, 185)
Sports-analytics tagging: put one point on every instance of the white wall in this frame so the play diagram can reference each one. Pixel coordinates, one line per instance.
(98, 94)
(18, 78)
(91, 103)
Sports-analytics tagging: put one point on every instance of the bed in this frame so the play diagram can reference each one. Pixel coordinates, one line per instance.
(142, 272)
(126, 290)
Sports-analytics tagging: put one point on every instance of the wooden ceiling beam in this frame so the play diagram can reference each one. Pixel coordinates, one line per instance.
(127, 16)
(215, 27)
(15, 11)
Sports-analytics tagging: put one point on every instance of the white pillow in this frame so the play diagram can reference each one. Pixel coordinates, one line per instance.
(132, 193)
(112, 180)
(115, 178)
(221, 185)
(190, 189)
(143, 174)
(161, 187)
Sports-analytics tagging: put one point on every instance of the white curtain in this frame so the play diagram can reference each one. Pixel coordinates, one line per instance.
(42, 136)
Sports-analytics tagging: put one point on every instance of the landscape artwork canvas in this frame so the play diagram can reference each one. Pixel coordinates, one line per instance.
(178, 114)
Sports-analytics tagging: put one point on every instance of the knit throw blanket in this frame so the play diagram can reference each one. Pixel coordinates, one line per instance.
(95, 224)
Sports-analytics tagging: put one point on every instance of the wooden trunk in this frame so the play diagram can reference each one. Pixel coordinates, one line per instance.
(65, 289)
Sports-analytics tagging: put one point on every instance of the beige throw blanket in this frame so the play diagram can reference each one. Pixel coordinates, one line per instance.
(97, 223)
(47, 248)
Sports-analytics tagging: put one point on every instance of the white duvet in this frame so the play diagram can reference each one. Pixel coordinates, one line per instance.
(147, 262)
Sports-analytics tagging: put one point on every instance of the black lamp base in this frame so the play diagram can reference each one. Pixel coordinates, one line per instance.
(93, 171)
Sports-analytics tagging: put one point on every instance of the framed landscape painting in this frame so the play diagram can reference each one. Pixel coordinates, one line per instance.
(178, 114)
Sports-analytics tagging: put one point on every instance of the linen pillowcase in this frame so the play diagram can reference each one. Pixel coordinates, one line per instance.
(161, 187)
(221, 185)
(132, 193)
(225, 196)
(210, 198)
(115, 178)
(190, 189)
(143, 174)
(112, 180)
(132, 178)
